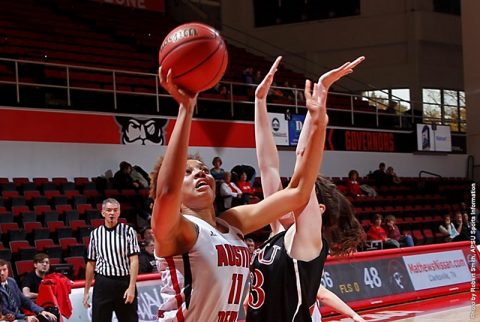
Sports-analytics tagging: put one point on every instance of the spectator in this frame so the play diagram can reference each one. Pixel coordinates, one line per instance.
(393, 232)
(275, 91)
(376, 232)
(257, 79)
(353, 186)
(298, 94)
(217, 171)
(145, 211)
(113, 256)
(461, 227)
(247, 75)
(230, 192)
(287, 91)
(147, 261)
(248, 169)
(147, 233)
(13, 300)
(448, 229)
(250, 244)
(31, 281)
(356, 190)
(379, 175)
(122, 178)
(392, 177)
(245, 187)
(138, 176)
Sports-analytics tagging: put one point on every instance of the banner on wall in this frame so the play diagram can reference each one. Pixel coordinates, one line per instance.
(74, 127)
(77, 127)
(437, 269)
(152, 5)
(279, 128)
(370, 280)
(295, 126)
(436, 138)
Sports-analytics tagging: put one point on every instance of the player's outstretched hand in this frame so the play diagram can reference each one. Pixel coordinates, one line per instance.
(330, 77)
(263, 88)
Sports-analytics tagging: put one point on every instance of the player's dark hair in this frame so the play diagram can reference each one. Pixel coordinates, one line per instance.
(339, 224)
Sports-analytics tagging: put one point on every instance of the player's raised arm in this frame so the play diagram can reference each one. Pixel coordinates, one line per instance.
(249, 218)
(267, 154)
(173, 234)
(307, 241)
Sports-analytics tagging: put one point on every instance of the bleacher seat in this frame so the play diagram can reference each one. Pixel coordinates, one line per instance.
(31, 194)
(23, 267)
(39, 182)
(17, 210)
(78, 263)
(6, 217)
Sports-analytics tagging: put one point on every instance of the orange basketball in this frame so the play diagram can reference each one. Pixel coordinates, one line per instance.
(197, 55)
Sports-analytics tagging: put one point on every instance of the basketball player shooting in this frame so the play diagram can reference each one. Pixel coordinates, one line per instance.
(204, 261)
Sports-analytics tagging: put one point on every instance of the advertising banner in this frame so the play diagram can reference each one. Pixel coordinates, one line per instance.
(437, 269)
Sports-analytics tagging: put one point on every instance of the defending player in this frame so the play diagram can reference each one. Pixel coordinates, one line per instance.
(286, 270)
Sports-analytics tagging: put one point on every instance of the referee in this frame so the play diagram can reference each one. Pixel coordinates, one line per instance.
(113, 256)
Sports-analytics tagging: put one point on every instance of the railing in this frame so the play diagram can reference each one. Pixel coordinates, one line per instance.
(41, 84)
(429, 173)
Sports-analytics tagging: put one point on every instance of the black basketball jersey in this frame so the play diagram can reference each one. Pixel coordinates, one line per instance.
(283, 288)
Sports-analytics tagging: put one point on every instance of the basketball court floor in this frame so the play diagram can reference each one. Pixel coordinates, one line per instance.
(452, 308)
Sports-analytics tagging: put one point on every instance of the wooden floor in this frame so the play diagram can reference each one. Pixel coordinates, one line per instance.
(461, 314)
(451, 308)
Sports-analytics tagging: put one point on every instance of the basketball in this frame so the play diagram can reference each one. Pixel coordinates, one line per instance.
(197, 55)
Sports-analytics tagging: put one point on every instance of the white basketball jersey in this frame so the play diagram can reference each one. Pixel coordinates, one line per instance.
(316, 315)
(205, 284)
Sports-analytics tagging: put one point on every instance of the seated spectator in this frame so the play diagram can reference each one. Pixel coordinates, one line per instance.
(376, 232)
(356, 190)
(447, 228)
(122, 178)
(247, 75)
(248, 78)
(147, 233)
(217, 171)
(248, 169)
(250, 244)
(13, 300)
(146, 259)
(392, 177)
(287, 91)
(257, 79)
(245, 187)
(31, 281)
(461, 227)
(230, 192)
(299, 95)
(393, 232)
(379, 175)
(353, 186)
(140, 176)
(145, 211)
(275, 91)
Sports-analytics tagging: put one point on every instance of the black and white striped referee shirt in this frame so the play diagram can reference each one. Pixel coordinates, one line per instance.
(111, 249)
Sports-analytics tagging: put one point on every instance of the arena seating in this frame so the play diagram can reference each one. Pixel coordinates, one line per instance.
(101, 35)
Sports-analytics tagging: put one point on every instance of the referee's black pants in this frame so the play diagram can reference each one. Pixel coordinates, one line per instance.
(108, 298)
